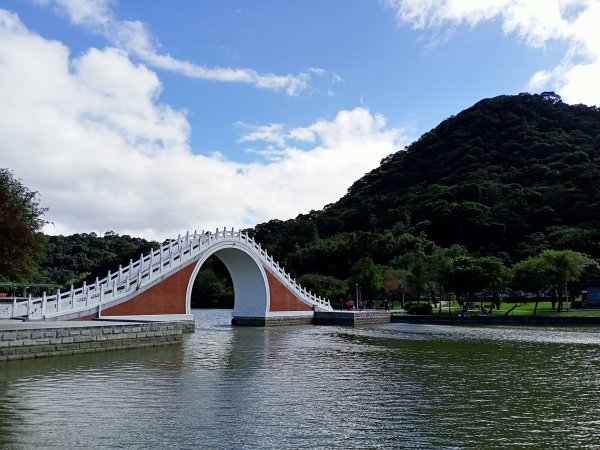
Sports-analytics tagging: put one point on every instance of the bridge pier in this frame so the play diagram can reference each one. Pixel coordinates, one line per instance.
(273, 320)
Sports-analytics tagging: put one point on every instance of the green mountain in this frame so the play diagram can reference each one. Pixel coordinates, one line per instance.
(509, 176)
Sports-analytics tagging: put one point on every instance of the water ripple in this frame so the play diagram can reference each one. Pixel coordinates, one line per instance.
(311, 387)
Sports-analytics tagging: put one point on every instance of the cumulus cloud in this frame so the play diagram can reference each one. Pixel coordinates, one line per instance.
(135, 38)
(92, 136)
(536, 23)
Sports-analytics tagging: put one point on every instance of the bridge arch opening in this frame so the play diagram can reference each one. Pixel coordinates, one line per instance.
(212, 287)
(250, 284)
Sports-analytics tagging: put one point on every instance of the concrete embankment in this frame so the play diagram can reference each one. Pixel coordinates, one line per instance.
(351, 317)
(318, 318)
(379, 316)
(26, 340)
(494, 320)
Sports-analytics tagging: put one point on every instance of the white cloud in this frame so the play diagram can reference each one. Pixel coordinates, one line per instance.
(272, 133)
(135, 38)
(537, 23)
(91, 135)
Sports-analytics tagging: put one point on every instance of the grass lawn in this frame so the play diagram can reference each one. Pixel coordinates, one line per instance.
(545, 309)
(523, 309)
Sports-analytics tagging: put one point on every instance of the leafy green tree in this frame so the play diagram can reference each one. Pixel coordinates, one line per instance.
(469, 275)
(551, 269)
(213, 287)
(324, 285)
(210, 291)
(564, 266)
(531, 275)
(390, 280)
(414, 270)
(72, 259)
(20, 223)
(496, 277)
(367, 275)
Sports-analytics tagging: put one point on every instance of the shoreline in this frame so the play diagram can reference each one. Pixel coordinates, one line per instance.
(493, 320)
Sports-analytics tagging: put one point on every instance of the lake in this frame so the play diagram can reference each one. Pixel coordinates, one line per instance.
(311, 387)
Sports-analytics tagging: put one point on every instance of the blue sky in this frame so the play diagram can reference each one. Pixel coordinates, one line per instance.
(153, 117)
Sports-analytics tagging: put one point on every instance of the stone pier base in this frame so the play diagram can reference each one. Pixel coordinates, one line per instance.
(272, 321)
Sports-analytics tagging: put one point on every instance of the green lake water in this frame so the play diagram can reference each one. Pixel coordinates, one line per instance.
(309, 387)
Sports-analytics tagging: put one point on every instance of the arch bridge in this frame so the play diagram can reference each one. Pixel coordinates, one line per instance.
(160, 283)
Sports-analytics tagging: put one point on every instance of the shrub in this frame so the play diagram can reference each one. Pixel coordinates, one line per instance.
(418, 308)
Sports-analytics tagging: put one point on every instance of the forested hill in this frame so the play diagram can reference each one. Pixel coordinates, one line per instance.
(509, 176)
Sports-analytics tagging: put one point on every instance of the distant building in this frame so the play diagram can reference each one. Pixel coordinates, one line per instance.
(591, 293)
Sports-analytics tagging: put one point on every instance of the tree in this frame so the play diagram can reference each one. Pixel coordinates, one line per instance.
(210, 291)
(390, 280)
(469, 275)
(78, 257)
(414, 272)
(324, 285)
(564, 266)
(551, 269)
(531, 275)
(440, 266)
(20, 223)
(496, 277)
(367, 275)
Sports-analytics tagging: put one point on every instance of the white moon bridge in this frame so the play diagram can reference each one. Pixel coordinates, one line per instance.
(160, 283)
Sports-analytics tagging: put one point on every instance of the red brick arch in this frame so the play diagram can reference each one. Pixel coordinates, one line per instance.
(253, 282)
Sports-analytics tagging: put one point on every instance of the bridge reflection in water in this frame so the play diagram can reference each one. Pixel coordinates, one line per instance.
(373, 386)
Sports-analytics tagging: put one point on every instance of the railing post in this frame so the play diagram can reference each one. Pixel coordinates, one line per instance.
(43, 305)
(120, 275)
(14, 311)
(58, 300)
(84, 291)
(29, 305)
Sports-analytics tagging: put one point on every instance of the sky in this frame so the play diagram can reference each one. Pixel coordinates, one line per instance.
(152, 118)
